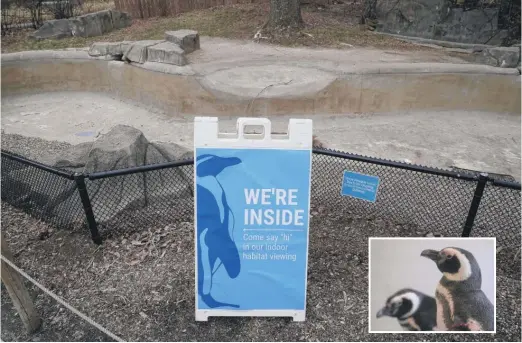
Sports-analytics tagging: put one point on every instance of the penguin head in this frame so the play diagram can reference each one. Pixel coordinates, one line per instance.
(211, 165)
(455, 264)
(402, 304)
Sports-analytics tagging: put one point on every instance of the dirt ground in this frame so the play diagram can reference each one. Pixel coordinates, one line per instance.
(492, 146)
(335, 25)
(140, 285)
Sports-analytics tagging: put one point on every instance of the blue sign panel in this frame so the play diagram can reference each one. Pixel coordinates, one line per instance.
(360, 186)
(252, 219)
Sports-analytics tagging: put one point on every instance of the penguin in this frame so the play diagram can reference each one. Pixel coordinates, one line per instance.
(214, 227)
(461, 304)
(414, 310)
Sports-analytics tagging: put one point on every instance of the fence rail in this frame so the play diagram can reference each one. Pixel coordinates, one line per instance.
(448, 202)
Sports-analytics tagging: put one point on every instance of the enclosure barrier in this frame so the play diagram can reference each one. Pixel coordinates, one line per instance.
(424, 199)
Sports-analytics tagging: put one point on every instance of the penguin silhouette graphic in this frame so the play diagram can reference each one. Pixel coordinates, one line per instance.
(215, 225)
(414, 310)
(461, 304)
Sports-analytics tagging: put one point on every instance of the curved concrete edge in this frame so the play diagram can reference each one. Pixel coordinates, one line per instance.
(184, 94)
(35, 55)
(164, 68)
(83, 54)
(427, 68)
(360, 68)
(274, 81)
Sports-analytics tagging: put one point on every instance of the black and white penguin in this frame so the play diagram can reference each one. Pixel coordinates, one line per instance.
(461, 304)
(414, 310)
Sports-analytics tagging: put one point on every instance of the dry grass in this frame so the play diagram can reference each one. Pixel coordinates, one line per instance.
(89, 6)
(330, 28)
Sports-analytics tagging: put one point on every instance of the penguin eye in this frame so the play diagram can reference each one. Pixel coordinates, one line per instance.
(446, 255)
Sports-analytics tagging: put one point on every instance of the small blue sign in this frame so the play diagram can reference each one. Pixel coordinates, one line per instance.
(360, 186)
(252, 219)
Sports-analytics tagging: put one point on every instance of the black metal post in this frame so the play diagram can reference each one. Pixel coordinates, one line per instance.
(89, 214)
(479, 190)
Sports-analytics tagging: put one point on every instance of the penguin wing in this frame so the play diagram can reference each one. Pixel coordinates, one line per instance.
(426, 315)
(426, 320)
(475, 309)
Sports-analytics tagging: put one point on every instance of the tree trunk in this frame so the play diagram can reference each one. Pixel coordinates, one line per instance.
(285, 13)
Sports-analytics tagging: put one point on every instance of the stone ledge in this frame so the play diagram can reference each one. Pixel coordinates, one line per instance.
(172, 50)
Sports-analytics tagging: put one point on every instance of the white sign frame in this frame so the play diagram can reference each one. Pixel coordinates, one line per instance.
(299, 137)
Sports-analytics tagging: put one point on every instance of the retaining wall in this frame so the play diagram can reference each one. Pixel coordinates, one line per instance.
(178, 90)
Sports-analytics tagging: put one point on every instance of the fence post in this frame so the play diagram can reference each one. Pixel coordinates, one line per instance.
(18, 293)
(86, 202)
(479, 190)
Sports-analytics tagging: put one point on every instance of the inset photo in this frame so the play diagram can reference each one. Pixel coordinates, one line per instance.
(432, 285)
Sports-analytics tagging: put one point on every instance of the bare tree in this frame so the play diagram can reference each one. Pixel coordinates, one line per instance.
(285, 14)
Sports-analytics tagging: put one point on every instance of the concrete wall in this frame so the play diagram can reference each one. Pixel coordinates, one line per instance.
(370, 90)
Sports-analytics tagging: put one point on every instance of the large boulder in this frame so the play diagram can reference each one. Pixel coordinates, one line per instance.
(120, 20)
(440, 20)
(92, 24)
(172, 50)
(166, 52)
(137, 51)
(87, 25)
(121, 148)
(53, 29)
(188, 40)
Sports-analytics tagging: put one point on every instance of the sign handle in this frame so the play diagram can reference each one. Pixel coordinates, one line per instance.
(264, 122)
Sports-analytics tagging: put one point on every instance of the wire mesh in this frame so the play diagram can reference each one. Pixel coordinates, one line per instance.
(432, 203)
(422, 202)
(142, 200)
(46, 196)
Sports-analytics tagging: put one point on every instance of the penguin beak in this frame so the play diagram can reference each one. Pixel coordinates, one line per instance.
(385, 311)
(431, 254)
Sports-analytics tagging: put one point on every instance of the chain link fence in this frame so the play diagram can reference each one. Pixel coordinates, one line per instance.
(450, 203)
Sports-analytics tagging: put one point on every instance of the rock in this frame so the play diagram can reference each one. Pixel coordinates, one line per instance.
(121, 148)
(137, 51)
(114, 50)
(120, 20)
(53, 29)
(440, 20)
(72, 159)
(504, 57)
(92, 24)
(188, 40)
(166, 52)
(87, 25)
